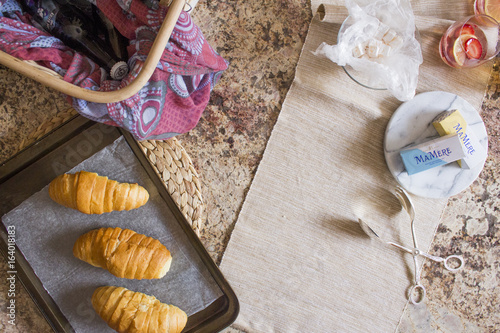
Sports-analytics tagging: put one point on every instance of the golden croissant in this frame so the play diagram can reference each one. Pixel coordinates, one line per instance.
(134, 312)
(93, 194)
(124, 253)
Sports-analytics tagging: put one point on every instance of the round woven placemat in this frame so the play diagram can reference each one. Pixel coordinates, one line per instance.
(170, 161)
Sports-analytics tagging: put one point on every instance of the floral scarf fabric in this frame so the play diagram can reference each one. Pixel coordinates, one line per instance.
(169, 104)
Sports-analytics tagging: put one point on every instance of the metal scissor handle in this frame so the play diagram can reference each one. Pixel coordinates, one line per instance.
(417, 294)
(446, 261)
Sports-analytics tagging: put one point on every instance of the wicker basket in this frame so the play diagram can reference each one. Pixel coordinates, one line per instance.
(47, 78)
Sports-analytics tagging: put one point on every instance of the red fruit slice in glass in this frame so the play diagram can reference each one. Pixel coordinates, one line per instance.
(467, 29)
(473, 48)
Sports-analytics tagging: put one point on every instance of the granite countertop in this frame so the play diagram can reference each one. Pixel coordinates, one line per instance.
(262, 41)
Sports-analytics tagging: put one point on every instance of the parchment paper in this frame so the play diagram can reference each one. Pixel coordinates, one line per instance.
(46, 232)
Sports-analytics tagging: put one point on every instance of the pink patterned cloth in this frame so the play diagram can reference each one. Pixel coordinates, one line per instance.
(169, 104)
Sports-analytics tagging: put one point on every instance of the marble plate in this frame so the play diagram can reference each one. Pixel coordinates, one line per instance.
(411, 124)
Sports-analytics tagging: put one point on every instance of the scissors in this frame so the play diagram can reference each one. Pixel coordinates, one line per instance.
(452, 263)
(417, 292)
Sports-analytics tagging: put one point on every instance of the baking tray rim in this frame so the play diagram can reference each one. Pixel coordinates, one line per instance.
(224, 310)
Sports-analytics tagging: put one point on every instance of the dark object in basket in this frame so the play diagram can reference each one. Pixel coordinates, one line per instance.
(79, 29)
(113, 37)
(152, 4)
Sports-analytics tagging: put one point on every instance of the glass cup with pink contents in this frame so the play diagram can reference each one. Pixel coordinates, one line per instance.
(470, 42)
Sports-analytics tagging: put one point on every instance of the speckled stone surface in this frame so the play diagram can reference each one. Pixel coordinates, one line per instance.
(262, 41)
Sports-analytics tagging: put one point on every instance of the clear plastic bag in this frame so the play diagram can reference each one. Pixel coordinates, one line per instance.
(379, 40)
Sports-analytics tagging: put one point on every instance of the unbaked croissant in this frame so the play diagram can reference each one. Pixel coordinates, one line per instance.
(134, 312)
(124, 253)
(93, 194)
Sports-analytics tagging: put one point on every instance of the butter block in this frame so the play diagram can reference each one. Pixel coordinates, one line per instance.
(433, 153)
(396, 42)
(359, 50)
(382, 29)
(374, 48)
(389, 36)
(450, 122)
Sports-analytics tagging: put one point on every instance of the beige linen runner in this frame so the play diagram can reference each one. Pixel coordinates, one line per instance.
(297, 258)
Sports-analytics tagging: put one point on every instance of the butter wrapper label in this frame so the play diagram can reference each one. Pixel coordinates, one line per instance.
(450, 122)
(433, 153)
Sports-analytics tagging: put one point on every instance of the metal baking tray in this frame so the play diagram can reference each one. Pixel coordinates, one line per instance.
(33, 168)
